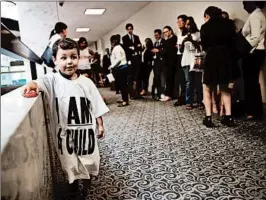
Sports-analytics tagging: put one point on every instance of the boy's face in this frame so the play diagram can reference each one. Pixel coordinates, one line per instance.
(67, 61)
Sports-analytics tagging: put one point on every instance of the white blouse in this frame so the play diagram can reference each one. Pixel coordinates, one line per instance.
(118, 57)
(84, 59)
(53, 39)
(188, 58)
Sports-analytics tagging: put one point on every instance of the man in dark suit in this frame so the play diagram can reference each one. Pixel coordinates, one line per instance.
(158, 65)
(133, 48)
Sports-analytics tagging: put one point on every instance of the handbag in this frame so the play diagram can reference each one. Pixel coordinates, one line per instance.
(199, 60)
(47, 57)
(110, 77)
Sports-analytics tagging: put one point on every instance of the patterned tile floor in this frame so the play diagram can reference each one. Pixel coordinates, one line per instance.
(153, 150)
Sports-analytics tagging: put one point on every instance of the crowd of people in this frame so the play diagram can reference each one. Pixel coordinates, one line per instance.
(196, 67)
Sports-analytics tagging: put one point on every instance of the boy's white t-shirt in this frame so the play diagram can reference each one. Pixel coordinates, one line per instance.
(74, 107)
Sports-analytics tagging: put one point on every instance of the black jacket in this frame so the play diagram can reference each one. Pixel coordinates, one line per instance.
(161, 47)
(127, 42)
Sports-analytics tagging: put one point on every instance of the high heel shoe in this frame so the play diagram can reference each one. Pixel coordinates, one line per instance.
(207, 121)
(228, 121)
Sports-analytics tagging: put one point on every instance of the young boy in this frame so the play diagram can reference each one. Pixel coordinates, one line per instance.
(76, 107)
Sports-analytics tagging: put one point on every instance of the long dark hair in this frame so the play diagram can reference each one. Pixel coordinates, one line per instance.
(81, 40)
(193, 26)
(149, 44)
(170, 29)
(59, 27)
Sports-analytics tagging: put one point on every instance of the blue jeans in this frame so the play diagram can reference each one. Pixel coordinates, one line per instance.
(188, 84)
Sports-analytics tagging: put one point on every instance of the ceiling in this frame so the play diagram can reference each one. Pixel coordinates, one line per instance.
(72, 13)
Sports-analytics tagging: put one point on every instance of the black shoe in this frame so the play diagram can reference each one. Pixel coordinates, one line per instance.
(228, 121)
(177, 103)
(201, 106)
(156, 98)
(207, 121)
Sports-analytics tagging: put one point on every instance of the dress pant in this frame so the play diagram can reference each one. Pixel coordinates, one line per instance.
(180, 82)
(196, 86)
(251, 70)
(170, 77)
(159, 77)
(121, 78)
(117, 89)
(133, 76)
(188, 81)
(145, 72)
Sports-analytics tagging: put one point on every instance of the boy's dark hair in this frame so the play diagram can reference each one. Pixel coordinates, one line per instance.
(129, 25)
(213, 11)
(65, 44)
(159, 31)
(81, 40)
(184, 17)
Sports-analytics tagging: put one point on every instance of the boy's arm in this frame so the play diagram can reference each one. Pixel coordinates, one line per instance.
(31, 86)
(41, 84)
(100, 127)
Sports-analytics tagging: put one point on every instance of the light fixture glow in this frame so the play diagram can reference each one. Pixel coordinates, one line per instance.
(94, 11)
(83, 29)
(8, 3)
(76, 39)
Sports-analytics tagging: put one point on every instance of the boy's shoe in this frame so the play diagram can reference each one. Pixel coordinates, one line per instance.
(207, 121)
(228, 121)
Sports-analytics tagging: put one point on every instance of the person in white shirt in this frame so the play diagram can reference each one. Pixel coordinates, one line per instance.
(84, 64)
(179, 76)
(119, 65)
(254, 32)
(59, 31)
(189, 47)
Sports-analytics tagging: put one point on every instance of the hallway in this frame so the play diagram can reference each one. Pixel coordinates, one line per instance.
(153, 150)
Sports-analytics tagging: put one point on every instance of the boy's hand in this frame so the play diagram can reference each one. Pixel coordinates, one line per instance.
(30, 90)
(100, 132)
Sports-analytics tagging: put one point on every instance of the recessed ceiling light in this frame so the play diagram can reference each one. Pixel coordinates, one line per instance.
(8, 3)
(76, 39)
(83, 29)
(94, 11)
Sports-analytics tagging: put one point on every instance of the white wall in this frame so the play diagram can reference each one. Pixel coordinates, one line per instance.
(158, 14)
(35, 33)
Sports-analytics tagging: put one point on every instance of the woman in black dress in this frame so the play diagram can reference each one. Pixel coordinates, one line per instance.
(218, 41)
(170, 61)
(146, 65)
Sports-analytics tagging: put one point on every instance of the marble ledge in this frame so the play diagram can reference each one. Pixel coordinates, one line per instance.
(14, 108)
